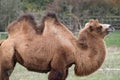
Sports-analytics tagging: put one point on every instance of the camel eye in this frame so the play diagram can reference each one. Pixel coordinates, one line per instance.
(91, 28)
(99, 28)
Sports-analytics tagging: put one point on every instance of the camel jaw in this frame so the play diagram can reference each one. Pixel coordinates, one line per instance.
(109, 28)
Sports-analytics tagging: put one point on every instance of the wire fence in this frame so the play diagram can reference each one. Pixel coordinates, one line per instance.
(3, 35)
(113, 20)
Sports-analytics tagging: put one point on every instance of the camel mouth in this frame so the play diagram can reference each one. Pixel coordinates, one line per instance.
(110, 29)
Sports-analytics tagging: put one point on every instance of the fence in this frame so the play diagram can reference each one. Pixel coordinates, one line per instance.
(113, 20)
(3, 35)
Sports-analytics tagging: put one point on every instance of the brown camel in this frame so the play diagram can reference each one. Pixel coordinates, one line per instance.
(51, 47)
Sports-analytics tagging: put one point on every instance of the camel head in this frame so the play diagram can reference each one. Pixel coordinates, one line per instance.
(91, 48)
(98, 29)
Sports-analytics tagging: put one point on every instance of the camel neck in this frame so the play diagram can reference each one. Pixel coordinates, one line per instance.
(90, 54)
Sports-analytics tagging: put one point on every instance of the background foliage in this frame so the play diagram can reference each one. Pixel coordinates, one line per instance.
(73, 13)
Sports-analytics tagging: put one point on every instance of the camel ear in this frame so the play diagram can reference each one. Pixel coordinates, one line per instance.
(91, 20)
(97, 21)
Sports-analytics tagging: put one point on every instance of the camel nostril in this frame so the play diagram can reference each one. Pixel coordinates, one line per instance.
(110, 29)
(110, 26)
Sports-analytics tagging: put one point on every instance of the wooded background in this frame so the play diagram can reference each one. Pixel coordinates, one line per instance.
(73, 13)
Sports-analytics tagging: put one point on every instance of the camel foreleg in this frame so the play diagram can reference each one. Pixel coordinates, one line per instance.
(3, 74)
(59, 70)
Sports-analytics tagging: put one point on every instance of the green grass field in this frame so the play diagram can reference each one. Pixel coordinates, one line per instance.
(110, 69)
(113, 39)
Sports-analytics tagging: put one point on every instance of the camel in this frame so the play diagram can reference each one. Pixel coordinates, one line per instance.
(51, 47)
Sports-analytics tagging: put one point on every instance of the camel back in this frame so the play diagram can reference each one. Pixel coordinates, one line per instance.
(27, 21)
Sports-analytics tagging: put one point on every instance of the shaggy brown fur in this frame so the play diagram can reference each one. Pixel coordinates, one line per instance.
(55, 49)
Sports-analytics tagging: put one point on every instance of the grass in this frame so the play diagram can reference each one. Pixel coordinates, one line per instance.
(113, 39)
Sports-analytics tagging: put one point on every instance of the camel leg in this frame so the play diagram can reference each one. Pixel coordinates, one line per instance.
(0, 73)
(7, 60)
(6, 70)
(59, 70)
(57, 74)
(3, 74)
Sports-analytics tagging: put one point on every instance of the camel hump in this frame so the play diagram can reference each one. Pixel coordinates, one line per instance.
(27, 17)
(51, 17)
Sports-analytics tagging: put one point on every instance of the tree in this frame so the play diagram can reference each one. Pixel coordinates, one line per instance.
(72, 12)
(36, 7)
(9, 9)
(75, 12)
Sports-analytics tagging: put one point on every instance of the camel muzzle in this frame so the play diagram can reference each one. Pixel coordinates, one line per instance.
(110, 29)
